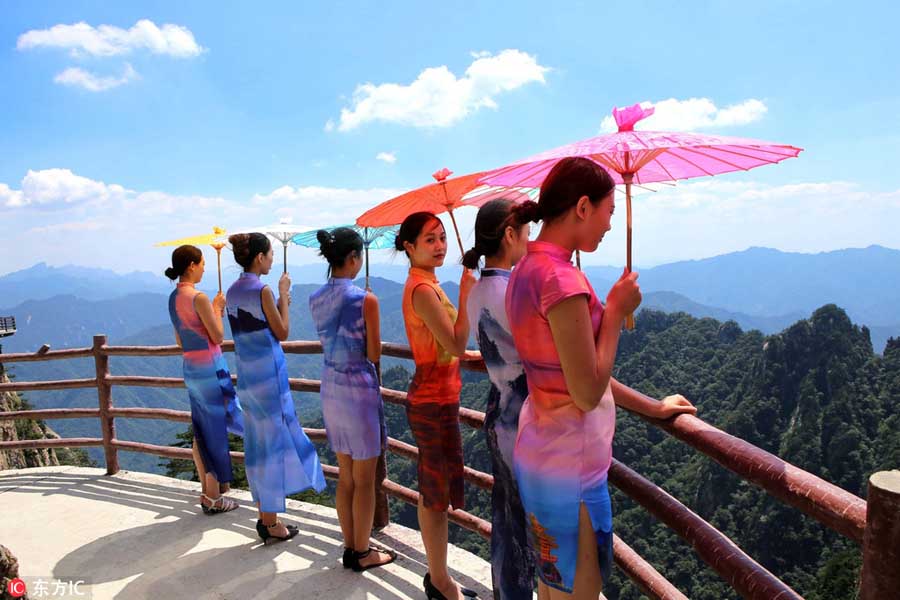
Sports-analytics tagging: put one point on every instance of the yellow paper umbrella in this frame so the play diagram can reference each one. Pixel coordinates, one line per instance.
(214, 239)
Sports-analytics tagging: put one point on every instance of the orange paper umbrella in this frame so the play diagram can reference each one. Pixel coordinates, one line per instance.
(445, 195)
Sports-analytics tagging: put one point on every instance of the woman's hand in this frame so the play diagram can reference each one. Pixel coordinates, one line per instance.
(625, 295)
(219, 304)
(466, 282)
(284, 287)
(674, 405)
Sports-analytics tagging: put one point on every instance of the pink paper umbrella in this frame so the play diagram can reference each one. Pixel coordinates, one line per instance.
(638, 157)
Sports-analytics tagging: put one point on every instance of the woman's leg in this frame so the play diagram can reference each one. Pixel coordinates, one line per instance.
(433, 524)
(268, 519)
(344, 501)
(364, 510)
(588, 583)
(201, 469)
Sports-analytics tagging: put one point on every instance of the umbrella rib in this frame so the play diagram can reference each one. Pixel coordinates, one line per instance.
(716, 158)
(690, 162)
(728, 150)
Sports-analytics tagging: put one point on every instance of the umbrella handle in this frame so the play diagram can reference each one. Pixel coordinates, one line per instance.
(367, 264)
(456, 230)
(629, 319)
(285, 257)
(219, 265)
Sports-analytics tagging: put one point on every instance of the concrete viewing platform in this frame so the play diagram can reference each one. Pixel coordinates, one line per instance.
(136, 535)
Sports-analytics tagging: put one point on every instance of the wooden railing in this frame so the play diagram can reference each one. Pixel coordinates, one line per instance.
(830, 505)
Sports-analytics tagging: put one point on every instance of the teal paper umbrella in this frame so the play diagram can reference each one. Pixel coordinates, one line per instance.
(375, 238)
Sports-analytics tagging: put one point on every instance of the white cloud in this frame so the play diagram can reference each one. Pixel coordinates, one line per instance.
(68, 226)
(318, 206)
(51, 187)
(716, 216)
(76, 77)
(437, 98)
(694, 113)
(388, 157)
(107, 40)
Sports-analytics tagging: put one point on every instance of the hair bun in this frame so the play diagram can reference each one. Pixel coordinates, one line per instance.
(472, 257)
(527, 212)
(324, 237)
(398, 243)
(171, 273)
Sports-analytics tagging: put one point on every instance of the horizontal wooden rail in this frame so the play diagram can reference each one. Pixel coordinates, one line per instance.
(460, 517)
(51, 443)
(49, 355)
(746, 576)
(166, 414)
(832, 506)
(482, 480)
(36, 386)
(642, 573)
(51, 413)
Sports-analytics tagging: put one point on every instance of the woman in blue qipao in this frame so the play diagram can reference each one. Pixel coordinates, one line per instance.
(279, 458)
(502, 240)
(347, 321)
(215, 410)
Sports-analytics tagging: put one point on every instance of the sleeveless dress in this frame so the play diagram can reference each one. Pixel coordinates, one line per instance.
(512, 563)
(350, 393)
(433, 402)
(215, 410)
(279, 458)
(562, 454)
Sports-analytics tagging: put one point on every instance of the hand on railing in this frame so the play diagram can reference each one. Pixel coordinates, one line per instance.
(674, 405)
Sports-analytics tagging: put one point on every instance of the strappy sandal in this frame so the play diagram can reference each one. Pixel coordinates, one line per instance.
(222, 504)
(267, 536)
(357, 556)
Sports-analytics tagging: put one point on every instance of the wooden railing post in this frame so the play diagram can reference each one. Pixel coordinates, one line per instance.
(382, 508)
(880, 577)
(104, 395)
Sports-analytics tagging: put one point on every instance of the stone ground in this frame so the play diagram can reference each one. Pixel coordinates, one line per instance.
(141, 536)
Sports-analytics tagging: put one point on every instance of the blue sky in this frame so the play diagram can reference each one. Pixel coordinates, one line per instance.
(202, 114)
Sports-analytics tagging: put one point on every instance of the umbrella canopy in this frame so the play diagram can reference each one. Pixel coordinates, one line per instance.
(442, 196)
(638, 157)
(374, 238)
(214, 239)
(648, 156)
(283, 232)
(485, 193)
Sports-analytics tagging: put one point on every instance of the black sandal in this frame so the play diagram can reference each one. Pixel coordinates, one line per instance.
(435, 594)
(359, 568)
(267, 536)
(347, 558)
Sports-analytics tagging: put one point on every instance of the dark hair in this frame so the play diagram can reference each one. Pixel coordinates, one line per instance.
(568, 180)
(247, 245)
(338, 244)
(411, 228)
(490, 226)
(182, 258)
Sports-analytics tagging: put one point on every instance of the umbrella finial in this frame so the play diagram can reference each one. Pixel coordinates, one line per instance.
(441, 175)
(628, 116)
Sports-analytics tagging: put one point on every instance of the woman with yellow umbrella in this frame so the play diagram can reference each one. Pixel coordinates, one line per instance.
(215, 410)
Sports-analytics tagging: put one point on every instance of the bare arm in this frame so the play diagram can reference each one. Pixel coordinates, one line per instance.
(633, 400)
(586, 365)
(210, 317)
(277, 315)
(453, 337)
(177, 339)
(373, 327)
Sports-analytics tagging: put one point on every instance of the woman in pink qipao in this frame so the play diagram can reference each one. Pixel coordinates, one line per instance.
(567, 341)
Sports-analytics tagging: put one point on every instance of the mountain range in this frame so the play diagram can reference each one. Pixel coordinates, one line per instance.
(759, 288)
